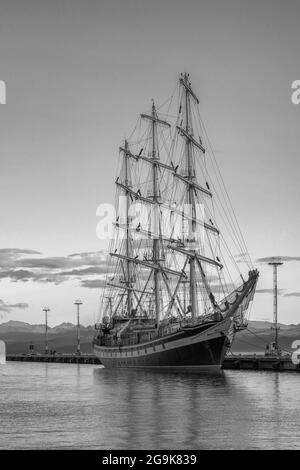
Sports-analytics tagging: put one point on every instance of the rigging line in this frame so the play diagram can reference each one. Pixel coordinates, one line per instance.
(135, 127)
(263, 340)
(232, 233)
(254, 334)
(249, 311)
(227, 245)
(218, 272)
(135, 143)
(227, 200)
(230, 351)
(226, 268)
(168, 115)
(222, 237)
(224, 216)
(226, 192)
(169, 99)
(236, 242)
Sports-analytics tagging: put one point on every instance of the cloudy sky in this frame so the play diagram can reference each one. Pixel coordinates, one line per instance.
(79, 72)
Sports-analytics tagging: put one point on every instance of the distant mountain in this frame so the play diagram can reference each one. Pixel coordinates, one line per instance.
(65, 327)
(20, 327)
(259, 333)
(63, 338)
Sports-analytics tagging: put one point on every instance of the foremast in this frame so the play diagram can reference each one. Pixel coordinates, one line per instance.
(128, 251)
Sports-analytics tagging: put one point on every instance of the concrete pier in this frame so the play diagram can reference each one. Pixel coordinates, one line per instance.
(242, 362)
(256, 362)
(59, 358)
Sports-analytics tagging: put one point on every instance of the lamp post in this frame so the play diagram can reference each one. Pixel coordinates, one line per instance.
(78, 303)
(46, 310)
(275, 263)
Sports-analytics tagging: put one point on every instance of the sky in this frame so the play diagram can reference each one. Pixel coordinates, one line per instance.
(78, 73)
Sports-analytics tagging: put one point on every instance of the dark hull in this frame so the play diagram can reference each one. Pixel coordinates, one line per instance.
(202, 347)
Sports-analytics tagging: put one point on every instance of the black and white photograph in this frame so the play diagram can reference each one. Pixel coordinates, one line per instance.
(149, 242)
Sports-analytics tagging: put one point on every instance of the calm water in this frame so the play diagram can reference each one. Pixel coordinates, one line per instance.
(87, 407)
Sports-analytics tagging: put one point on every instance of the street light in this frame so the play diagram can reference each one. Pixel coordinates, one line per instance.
(275, 262)
(46, 310)
(78, 303)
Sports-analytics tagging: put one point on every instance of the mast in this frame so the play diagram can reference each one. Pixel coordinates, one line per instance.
(164, 180)
(191, 195)
(154, 161)
(128, 267)
(155, 246)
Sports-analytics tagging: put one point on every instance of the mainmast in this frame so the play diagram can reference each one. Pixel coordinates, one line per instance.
(156, 216)
(191, 195)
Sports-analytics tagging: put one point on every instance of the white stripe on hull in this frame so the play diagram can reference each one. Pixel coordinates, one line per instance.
(202, 368)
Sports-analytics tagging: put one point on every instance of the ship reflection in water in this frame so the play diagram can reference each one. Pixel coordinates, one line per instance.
(228, 410)
(82, 406)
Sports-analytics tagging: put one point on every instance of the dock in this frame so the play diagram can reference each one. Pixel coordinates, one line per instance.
(58, 358)
(260, 362)
(241, 362)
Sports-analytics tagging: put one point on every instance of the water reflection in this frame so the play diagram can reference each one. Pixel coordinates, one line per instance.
(67, 406)
(155, 409)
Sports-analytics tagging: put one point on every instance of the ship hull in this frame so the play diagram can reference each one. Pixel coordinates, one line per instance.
(198, 348)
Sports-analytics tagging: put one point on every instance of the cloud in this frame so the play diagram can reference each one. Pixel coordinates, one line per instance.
(241, 257)
(46, 263)
(84, 254)
(24, 275)
(18, 251)
(269, 291)
(6, 308)
(18, 275)
(64, 262)
(292, 294)
(85, 271)
(93, 283)
(285, 259)
(21, 305)
(10, 256)
(18, 266)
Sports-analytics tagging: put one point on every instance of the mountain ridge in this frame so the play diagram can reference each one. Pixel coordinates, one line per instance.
(63, 337)
(19, 326)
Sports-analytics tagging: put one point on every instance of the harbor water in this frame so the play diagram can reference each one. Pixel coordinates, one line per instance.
(78, 406)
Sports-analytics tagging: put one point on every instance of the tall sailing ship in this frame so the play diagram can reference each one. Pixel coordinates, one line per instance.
(171, 300)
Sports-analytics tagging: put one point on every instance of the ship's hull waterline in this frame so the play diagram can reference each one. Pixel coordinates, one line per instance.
(198, 348)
